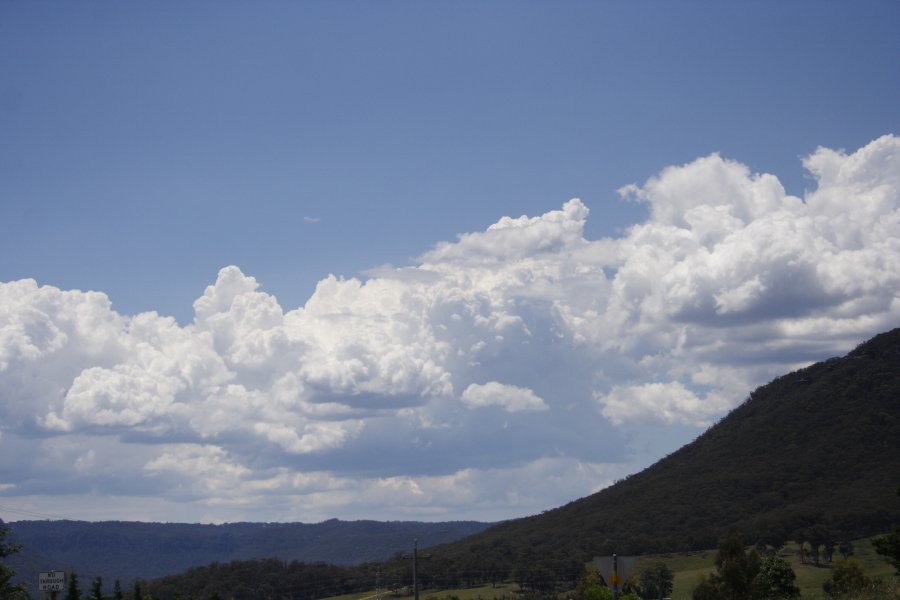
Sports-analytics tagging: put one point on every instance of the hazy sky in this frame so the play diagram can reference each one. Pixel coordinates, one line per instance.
(288, 261)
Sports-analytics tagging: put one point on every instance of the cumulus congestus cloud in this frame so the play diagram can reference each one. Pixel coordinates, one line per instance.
(496, 371)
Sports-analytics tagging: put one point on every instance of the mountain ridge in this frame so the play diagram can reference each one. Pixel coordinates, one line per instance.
(819, 446)
(131, 549)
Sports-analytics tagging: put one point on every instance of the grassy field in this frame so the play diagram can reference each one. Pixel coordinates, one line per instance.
(687, 570)
(476, 593)
(810, 578)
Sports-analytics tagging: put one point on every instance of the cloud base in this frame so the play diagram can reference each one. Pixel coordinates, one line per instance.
(500, 374)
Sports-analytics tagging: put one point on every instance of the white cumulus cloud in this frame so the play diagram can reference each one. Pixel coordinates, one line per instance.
(509, 397)
(667, 402)
(380, 389)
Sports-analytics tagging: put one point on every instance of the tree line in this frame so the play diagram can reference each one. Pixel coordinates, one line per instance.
(741, 573)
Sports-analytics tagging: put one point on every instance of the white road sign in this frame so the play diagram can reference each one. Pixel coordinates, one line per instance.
(52, 581)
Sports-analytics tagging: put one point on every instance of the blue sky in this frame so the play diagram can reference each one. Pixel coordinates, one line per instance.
(148, 151)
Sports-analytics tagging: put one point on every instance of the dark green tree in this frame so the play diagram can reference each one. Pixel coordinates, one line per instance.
(7, 590)
(136, 590)
(73, 592)
(774, 581)
(828, 549)
(590, 586)
(735, 571)
(736, 567)
(97, 588)
(821, 543)
(847, 576)
(800, 538)
(117, 591)
(656, 580)
(846, 549)
(889, 545)
(706, 589)
(744, 575)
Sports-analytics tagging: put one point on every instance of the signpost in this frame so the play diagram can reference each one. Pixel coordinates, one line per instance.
(52, 582)
(615, 570)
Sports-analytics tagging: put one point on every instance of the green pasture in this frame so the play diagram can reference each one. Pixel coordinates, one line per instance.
(688, 568)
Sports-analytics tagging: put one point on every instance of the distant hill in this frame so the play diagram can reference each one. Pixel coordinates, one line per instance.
(813, 453)
(127, 550)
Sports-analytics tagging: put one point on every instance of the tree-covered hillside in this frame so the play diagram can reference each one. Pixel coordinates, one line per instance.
(813, 453)
(127, 550)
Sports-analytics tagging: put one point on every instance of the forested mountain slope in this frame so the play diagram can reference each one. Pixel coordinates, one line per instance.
(815, 452)
(125, 550)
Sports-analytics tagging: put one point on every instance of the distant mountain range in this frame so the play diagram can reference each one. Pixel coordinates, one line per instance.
(127, 550)
(814, 454)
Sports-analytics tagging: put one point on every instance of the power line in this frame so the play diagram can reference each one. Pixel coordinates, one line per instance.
(30, 513)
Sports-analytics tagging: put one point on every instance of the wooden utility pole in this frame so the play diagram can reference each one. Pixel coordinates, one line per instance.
(415, 559)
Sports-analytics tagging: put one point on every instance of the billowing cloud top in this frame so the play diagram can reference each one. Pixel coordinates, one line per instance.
(489, 379)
